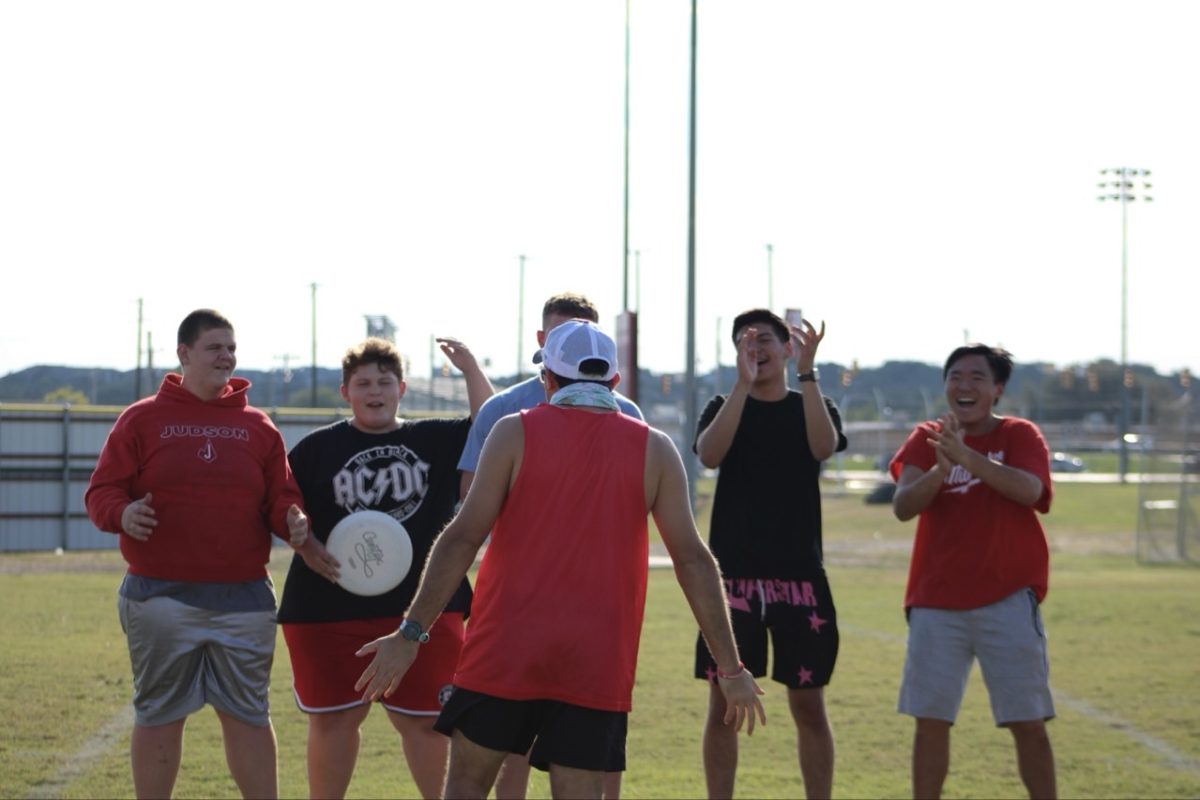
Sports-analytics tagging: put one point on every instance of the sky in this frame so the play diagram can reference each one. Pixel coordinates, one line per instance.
(913, 174)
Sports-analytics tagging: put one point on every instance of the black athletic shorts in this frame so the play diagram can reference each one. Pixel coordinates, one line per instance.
(802, 623)
(560, 733)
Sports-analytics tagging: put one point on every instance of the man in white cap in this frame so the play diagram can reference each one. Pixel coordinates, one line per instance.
(565, 489)
(513, 781)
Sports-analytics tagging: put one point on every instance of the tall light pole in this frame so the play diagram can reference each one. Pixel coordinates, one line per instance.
(625, 247)
(1123, 188)
(691, 411)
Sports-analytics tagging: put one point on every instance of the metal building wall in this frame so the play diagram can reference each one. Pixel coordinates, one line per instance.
(47, 454)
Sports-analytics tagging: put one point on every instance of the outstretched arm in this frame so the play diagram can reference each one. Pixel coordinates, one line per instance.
(822, 434)
(698, 576)
(714, 442)
(451, 557)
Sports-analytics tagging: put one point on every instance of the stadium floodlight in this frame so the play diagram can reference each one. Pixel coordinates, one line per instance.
(1127, 191)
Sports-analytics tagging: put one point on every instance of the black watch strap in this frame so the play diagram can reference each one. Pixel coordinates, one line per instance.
(411, 631)
(808, 377)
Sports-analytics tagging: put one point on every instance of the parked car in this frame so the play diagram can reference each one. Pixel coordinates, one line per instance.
(1065, 462)
(883, 492)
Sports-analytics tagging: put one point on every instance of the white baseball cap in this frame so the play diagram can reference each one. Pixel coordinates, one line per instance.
(573, 342)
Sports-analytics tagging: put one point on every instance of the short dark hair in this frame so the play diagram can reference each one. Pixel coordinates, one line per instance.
(569, 304)
(999, 360)
(761, 315)
(372, 351)
(589, 366)
(199, 321)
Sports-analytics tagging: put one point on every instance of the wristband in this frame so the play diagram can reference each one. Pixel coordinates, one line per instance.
(812, 376)
(731, 675)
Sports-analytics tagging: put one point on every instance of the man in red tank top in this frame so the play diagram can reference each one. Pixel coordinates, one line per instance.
(565, 489)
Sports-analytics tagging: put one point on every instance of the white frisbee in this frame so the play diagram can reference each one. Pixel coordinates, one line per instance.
(374, 551)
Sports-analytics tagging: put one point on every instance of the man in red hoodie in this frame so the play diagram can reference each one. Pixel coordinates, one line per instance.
(194, 481)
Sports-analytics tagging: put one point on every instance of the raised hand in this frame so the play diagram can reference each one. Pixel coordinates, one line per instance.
(747, 356)
(459, 354)
(947, 442)
(805, 340)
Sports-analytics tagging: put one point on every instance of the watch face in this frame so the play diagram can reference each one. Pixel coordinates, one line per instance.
(412, 632)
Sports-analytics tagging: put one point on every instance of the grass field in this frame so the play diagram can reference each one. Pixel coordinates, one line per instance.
(1124, 639)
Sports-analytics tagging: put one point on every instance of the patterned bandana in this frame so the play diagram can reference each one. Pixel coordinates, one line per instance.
(585, 394)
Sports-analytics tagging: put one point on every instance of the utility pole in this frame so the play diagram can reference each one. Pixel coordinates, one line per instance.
(150, 356)
(1124, 190)
(286, 374)
(691, 412)
(625, 246)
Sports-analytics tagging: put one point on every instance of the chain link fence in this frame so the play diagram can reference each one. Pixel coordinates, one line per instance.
(1168, 528)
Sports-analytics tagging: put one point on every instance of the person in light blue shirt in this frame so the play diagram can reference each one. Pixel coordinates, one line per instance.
(530, 392)
(513, 780)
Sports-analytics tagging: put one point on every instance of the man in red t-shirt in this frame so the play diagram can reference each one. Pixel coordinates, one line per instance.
(551, 650)
(979, 570)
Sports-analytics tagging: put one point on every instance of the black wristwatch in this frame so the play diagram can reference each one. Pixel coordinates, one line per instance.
(809, 377)
(412, 632)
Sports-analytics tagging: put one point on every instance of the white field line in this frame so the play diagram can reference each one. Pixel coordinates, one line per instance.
(107, 734)
(95, 748)
(1173, 757)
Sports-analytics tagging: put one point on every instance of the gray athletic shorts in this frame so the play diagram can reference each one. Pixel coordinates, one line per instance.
(183, 657)
(1008, 639)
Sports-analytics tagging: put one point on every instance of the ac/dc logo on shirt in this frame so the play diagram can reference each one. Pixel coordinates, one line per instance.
(389, 478)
